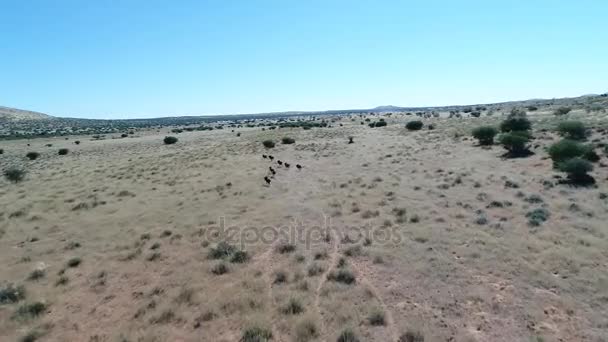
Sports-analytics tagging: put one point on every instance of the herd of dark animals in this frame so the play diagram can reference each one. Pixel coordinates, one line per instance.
(273, 171)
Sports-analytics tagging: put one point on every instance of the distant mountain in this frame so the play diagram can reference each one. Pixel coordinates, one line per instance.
(13, 114)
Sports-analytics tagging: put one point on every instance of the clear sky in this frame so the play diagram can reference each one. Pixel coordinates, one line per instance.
(146, 58)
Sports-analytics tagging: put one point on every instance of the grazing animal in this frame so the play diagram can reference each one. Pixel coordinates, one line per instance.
(271, 157)
(267, 180)
(272, 170)
(286, 165)
(279, 162)
(298, 166)
(264, 156)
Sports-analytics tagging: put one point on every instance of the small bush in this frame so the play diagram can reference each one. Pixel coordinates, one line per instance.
(219, 268)
(170, 140)
(284, 248)
(256, 334)
(28, 311)
(1, 151)
(280, 277)
(10, 294)
(566, 149)
(32, 155)
(342, 276)
(414, 125)
(347, 335)
(517, 122)
(315, 269)
(572, 130)
(14, 174)
(376, 318)
(485, 134)
(411, 336)
(577, 169)
(77, 142)
(515, 142)
(293, 307)
(268, 143)
(306, 330)
(222, 250)
(63, 151)
(287, 140)
(239, 257)
(537, 216)
(36, 274)
(74, 262)
(562, 111)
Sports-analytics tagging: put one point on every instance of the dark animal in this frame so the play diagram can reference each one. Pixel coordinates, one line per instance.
(267, 180)
(286, 165)
(264, 156)
(279, 162)
(298, 166)
(271, 157)
(272, 170)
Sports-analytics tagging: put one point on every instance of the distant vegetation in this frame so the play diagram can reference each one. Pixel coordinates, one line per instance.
(414, 125)
(268, 143)
(170, 140)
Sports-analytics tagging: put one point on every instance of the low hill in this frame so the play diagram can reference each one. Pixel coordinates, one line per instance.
(13, 114)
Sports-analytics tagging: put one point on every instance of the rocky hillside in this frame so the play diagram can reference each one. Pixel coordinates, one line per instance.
(12, 114)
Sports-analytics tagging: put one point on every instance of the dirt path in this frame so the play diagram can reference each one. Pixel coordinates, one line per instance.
(364, 277)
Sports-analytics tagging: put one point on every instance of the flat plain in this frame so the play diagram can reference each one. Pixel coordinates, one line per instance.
(402, 235)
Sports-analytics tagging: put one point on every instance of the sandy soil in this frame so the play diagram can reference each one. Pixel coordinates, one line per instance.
(450, 254)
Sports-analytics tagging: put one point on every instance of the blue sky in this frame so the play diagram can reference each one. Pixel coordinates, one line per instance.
(126, 59)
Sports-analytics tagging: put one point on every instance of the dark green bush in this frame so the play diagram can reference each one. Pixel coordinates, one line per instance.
(515, 123)
(32, 155)
(566, 149)
(1, 151)
(562, 111)
(342, 276)
(63, 151)
(347, 335)
(485, 134)
(170, 140)
(222, 250)
(380, 123)
(414, 125)
(577, 169)
(11, 294)
(77, 142)
(14, 174)
(256, 334)
(268, 143)
(572, 130)
(287, 140)
(515, 142)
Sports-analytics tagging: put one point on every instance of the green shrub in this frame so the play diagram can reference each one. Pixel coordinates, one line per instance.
(170, 140)
(10, 294)
(239, 257)
(77, 142)
(63, 151)
(414, 125)
(1, 151)
(14, 174)
(74, 262)
(347, 335)
(562, 111)
(256, 334)
(536, 217)
(577, 169)
(515, 142)
(515, 123)
(268, 143)
(572, 130)
(287, 140)
(380, 123)
(376, 318)
(411, 336)
(306, 330)
(485, 134)
(28, 311)
(342, 276)
(221, 251)
(532, 108)
(566, 149)
(32, 155)
(293, 307)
